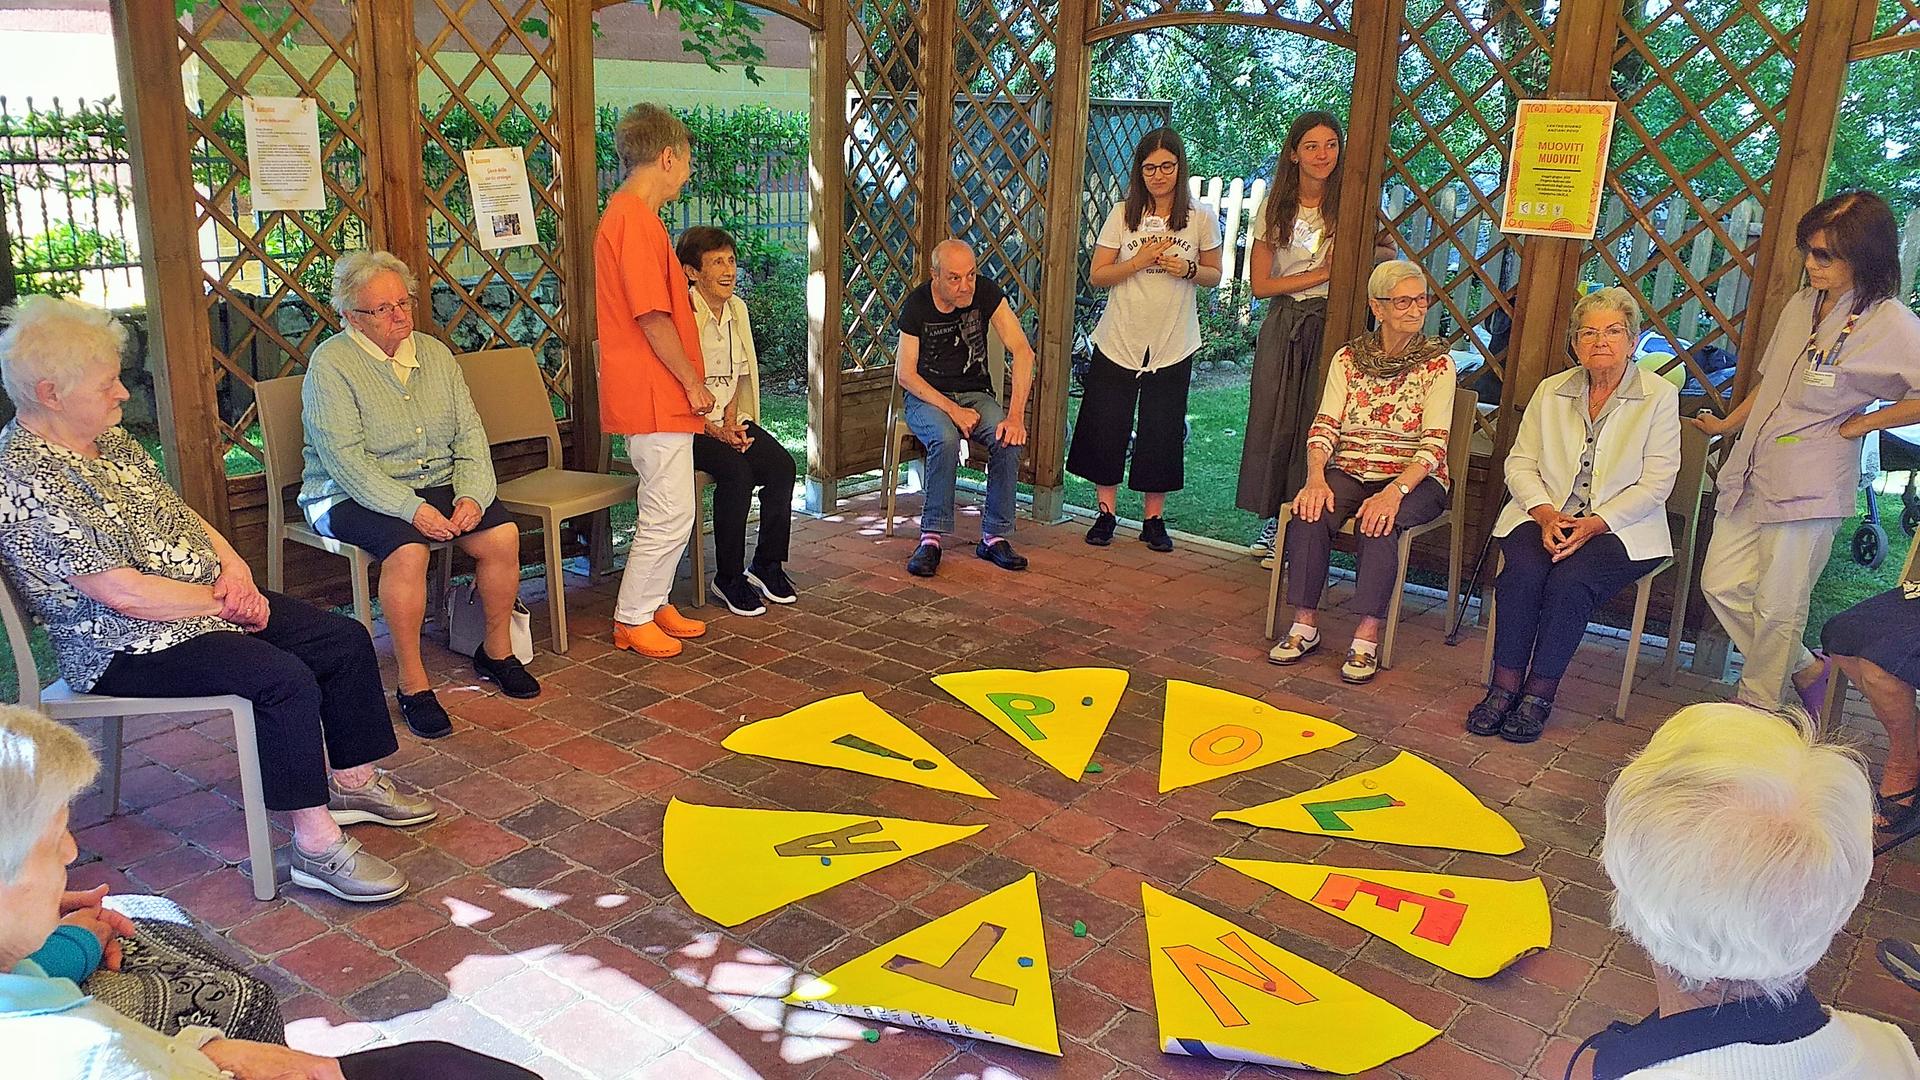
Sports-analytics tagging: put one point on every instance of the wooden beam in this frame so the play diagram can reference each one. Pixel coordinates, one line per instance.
(390, 112)
(826, 237)
(580, 202)
(1060, 257)
(147, 47)
(1369, 119)
(936, 78)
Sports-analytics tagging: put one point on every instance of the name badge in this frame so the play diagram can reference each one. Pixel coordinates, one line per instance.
(1817, 377)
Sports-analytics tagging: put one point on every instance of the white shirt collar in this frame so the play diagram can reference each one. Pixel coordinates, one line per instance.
(406, 356)
(703, 310)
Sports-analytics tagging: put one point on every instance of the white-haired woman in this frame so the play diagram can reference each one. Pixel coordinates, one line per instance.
(1377, 451)
(50, 1029)
(1738, 845)
(396, 461)
(142, 598)
(1590, 472)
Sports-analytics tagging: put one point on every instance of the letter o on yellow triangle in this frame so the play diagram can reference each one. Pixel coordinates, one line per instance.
(1059, 715)
(1209, 733)
(979, 972)
(850, 732)
(731, 864)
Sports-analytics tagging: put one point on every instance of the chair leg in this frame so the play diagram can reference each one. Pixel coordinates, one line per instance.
(1836, 703)
(1487, 605)
(556, 584)
(1393, 605)
(1279, 570)
(362, 591)
(1456, 542)
(599, 545)
(276, 563)
(253, 798)
(699, 551)
(889, 480)
(1677, 624)
(1641, 595)
(112, 739)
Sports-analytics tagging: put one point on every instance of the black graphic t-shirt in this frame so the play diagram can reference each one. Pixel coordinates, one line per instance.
(953, 344)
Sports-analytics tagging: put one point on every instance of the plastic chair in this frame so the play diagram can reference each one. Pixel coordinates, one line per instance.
(1684, 503)
(513, 404)
(1459, 443)
(61, 702)
(900, 436)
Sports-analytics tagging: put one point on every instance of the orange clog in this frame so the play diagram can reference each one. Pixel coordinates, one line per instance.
(669, 619)
(647, 639)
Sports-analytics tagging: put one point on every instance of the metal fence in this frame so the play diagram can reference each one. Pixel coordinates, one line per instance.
(66, 199)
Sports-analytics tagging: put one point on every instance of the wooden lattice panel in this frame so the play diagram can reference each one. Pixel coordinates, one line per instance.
(268, 275)
(1680, 225)
(1330, 19)
(1462, 68)
(1897, 19)
(885, 178)
(487, 80)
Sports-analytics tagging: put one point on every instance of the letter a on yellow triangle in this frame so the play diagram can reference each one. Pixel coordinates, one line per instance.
(731, 864)
(979, 972)
(1469, 925)
(850, 732)
(1406, 801)
(1221, 992)
(1210, 733)
(1059, 714)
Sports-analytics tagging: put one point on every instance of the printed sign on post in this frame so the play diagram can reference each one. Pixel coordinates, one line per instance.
(283, 154)
(502, 201)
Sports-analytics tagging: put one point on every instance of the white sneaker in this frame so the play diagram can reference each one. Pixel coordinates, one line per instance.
(1293, 648)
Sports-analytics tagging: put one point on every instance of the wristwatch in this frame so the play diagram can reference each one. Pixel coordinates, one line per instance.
(1404, 489)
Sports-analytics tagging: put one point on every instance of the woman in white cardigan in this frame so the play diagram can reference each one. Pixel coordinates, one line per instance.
(1590, 472)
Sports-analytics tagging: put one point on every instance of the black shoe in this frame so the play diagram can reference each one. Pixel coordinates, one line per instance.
(772, 582)
(925, 560)
(1100, 533)
(1153, 533)
(1001, 554)
(511, 677)
(423, 714)
(740, 597)
(1487, 717)
(1527, 720)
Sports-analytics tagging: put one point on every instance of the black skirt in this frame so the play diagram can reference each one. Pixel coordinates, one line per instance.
(1883, 629)
(380, 536)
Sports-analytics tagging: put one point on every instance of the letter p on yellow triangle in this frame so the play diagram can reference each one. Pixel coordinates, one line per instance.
(1059, 715)
(1211, 733)
(850, 732)
(979, 972)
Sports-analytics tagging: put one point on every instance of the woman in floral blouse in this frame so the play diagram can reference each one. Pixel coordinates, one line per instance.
(1376, 451)
(141, 597)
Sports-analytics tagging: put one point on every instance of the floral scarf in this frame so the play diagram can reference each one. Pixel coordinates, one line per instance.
(1368, 358)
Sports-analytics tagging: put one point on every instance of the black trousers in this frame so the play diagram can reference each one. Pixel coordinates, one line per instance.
(1310, 544)
(1098, 453)
(315, 686)
(764, 464)
(1543, 606)
(429, 1061)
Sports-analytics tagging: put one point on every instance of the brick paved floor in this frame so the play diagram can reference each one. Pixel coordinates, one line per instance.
(541, 926)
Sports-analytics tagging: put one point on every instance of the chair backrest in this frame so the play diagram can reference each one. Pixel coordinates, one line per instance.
(1460, 447)
(1690, 485)
(283, 440)
(19, 644)
(511, 397)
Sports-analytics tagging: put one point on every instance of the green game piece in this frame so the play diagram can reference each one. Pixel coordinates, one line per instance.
(1079, 928)
(1094, 766)
(870, 1035)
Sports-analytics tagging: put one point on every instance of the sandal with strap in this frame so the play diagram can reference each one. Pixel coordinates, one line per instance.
(1898, 809)
(1487, 717)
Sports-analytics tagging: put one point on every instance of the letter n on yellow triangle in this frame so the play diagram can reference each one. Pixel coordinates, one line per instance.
(850, 732)
(1209, 733)
(979, 972)
(1221, 992)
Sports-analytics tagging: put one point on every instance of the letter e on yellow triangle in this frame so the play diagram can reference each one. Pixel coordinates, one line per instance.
(1471, 926)
(852, 733)
(1221, 992)
(1059, 714)
(1406, 801)
(979, 972)
(1209, 733)
(731, 864)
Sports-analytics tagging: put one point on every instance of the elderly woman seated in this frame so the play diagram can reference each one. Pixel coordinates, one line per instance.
(1739, 845)
(1876, 642)
(1376, 451)
(141, 597)
(396, 461)
(1590, 473)
(50, 1029)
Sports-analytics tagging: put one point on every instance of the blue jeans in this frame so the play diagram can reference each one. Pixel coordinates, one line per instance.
(942, 441)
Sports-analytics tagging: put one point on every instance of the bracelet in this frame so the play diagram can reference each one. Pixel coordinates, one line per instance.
(1193, 269)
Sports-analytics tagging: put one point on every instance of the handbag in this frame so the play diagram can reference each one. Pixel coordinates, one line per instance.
(467, 624)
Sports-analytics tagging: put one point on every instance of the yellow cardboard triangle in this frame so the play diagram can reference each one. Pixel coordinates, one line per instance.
(1211, 733)
(1059, 714)
(852, 733)
(731, 864)
(1221, 992)
(1406, 801)
(1469, 925)
(979, 972)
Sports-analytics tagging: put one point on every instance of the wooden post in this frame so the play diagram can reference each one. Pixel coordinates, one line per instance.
(580, 201)
(147, 44)
(826, 235)
(936, 130)
(1376, 60)
(390, 112)
(1060, 272)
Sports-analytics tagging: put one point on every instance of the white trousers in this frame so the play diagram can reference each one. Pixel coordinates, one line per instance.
(664, 520)
(1758, 579)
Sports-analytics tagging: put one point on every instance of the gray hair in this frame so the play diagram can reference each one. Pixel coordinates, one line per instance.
(57, 340)
(1388, 276)
(1611, 298)
(944, 246)
(43, 765)
(645, 131)
(1739, 843)
(357, 269)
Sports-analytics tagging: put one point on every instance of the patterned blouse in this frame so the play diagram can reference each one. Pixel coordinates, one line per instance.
(1372, 428)
(64, 515)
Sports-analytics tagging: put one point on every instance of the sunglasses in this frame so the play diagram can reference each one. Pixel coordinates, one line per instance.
(1819, 256)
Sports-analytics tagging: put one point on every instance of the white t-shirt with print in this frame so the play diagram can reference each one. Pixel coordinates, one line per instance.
(1150, 321)
(1306, 251)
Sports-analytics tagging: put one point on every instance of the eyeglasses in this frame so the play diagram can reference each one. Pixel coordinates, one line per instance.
(1588, 335)
(385, 311)
(1405, 303)
(1160, 168)
(1819, 256)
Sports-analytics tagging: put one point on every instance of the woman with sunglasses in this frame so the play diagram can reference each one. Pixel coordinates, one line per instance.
(1843, 344)
(396, 461)
(1154, 252)
(1377, 452)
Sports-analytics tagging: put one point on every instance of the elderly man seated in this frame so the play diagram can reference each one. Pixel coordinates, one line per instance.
(942, 365)
(1739, 844)
(141, 597)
